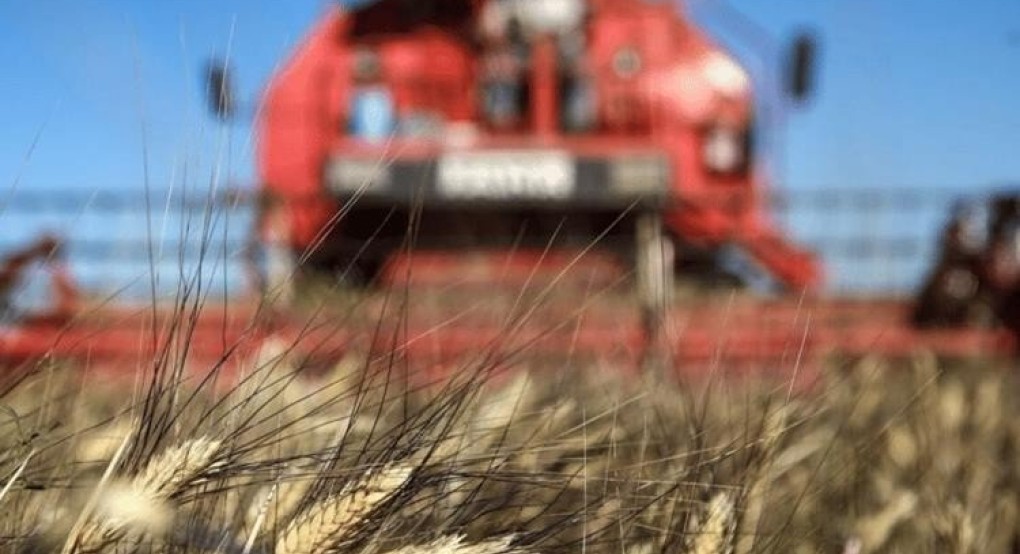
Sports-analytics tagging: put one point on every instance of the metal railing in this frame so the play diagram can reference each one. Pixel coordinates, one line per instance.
(871, 241)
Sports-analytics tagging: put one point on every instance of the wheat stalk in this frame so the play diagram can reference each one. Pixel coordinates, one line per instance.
(282, 500)
(453, 544)
(256, 526)
(140, 505)
(715, 535)
(15, 475)
(328, 523)
(761, 477)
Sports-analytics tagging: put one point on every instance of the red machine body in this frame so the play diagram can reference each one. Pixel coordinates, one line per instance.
(661, 89)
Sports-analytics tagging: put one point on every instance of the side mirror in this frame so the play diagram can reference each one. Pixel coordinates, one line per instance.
(800, 70)
(220, 90)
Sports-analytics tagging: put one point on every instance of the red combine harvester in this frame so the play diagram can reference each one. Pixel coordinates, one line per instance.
(492, 122)
(404, 137)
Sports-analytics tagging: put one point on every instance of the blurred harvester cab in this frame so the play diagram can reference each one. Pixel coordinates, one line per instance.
(556, 116)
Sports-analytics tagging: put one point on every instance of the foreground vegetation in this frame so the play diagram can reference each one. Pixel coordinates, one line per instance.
(876, 459)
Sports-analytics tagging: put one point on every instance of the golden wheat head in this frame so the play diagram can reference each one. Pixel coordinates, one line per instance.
(139, 505)
(454, 544)
(330, 522)
(715, 534)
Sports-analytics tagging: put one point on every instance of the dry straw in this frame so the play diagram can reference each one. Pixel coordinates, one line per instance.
(333, 521)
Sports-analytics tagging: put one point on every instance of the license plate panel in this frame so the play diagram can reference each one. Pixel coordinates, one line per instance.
(506, 175)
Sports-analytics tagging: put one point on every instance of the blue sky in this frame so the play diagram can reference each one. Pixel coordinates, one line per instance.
(911, 93)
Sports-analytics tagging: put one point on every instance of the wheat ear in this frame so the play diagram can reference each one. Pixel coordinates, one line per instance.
(328, 523)
(453, 544)
(140, 504)
(715, 534)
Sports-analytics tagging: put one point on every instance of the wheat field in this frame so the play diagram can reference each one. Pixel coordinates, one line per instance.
(916, 456)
